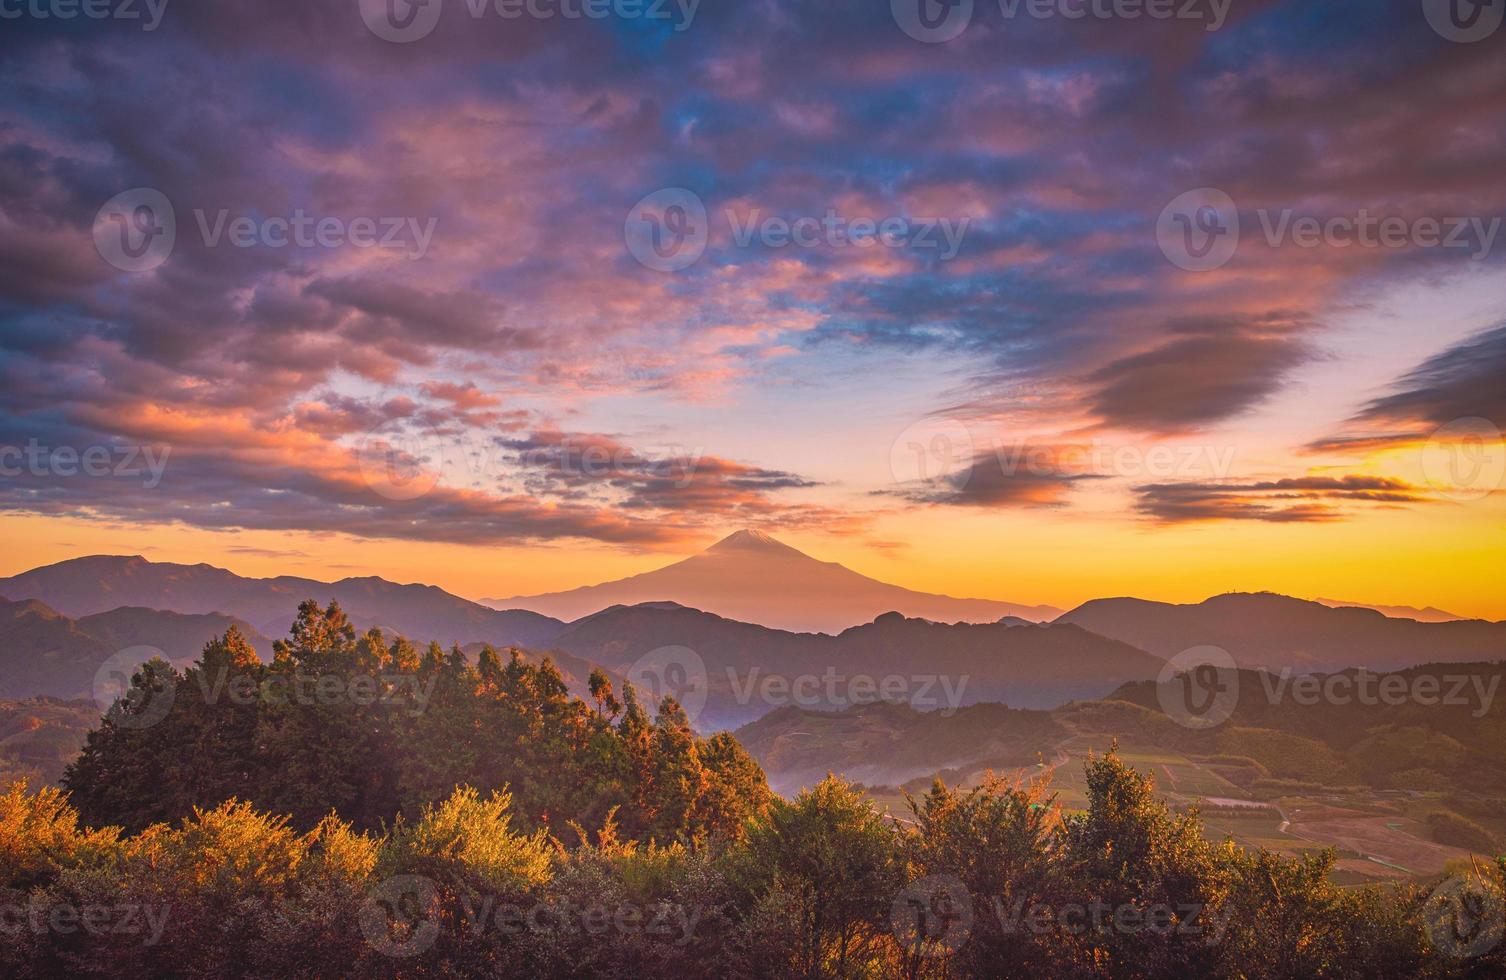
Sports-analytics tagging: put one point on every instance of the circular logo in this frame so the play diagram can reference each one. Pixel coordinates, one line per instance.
(1465, 21)
(400, 466)
(933, 917)
(400, 916)
(932, 21)
(1199, 230)
(1199, 687)
(1465, 459)
(140, 707)
(667, 230)
(136, 229)
(1464, 917)
(401, 21)
(674, 672)
(934, 452)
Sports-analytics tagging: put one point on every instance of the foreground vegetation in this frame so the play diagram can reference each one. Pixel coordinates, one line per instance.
(506, 829)
(370, 728)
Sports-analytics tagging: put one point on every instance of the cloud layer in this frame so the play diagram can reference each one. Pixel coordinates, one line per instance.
(525, 144)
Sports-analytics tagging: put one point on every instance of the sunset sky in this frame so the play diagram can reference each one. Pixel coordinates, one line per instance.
(513, 403)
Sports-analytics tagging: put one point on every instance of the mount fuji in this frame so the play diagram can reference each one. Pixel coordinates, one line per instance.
(754, 578)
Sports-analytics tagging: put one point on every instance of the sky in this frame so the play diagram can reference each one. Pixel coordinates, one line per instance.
(1034, 302)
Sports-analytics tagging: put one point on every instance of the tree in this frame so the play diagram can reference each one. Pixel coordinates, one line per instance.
(825, 868)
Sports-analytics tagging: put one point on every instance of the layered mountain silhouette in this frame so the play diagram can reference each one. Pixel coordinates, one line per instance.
(99, 583)
(63, 620)
(43, 652)
(754, 578)
(751, 670)
(1263, 629)
(1425, 614)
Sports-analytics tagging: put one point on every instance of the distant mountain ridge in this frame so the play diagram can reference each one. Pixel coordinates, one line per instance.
(752, 577)
(1426, 614)
(43, 652)
(1037, 666)
(1263, 629)
(86, 608)
(100, 583)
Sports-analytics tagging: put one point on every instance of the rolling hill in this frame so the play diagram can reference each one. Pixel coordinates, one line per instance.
(890, 743)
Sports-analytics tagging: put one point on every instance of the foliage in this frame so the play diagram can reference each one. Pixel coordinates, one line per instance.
(368, 728)
(509, 830)
(820, 886)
